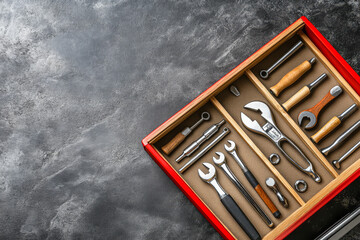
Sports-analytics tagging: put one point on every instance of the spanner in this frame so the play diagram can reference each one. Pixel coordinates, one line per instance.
(229, 202)
(221, 163)
(312, 113)
(270, 130)
(231, 149)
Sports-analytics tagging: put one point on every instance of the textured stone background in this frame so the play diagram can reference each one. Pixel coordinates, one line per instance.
(82, 82)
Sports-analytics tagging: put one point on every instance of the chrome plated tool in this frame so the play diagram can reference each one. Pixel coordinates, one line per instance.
(302, 93)
(291, 77)
(195, 145)
(313, 113)
(271, 183)
(231, 149)
(300, 183)
(229, 202)
(274, 158)
(341, 139)
(264, 74)
(337, 163)
(220, 161)
(333, 123)
(234, 90)
(180, 137)
(270, 130)
(225, 132)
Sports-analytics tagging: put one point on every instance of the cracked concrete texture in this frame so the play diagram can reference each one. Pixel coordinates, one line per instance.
(82, 82)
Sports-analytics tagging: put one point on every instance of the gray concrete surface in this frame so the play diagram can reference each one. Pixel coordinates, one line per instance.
(82, 82)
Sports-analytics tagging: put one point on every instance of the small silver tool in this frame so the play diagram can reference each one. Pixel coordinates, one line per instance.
(221, 163)
(229, 202)
(337, 163)
(264, 74)
(180, 137)
(234, 90)
(270, 130)
(341, 139)
(225, 132)
(274, 158)
(195, 145)
(271, 183)
(301, 186)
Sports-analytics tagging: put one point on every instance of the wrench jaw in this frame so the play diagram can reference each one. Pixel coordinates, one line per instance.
(309, 115)
(208, 176)
(252, 125)
(231, 147)
(261, 107)
(220, 160)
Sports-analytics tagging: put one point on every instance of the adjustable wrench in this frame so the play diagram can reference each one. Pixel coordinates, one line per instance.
(231, 149)
(229, 202)
(221, 163)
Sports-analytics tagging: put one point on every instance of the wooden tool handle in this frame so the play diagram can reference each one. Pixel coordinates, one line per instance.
(291, 77)
(326, 129)
(321, 104)
(170, 146)
(260, 191)
(295, 99)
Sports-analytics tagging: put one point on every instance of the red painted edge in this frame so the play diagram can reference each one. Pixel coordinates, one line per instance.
(344, 69)
(332, 55)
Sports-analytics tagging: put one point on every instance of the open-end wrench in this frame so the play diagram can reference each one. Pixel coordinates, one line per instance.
(271, 131)
(231, 149)
(180, 137)
(229, 202)
(312, 113)
(221, 163)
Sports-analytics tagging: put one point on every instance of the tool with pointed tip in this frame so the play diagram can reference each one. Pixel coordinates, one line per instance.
(337, 163)
(264, 74)
(231, 149)
(341, 139)
(313, 113)
(195, 145)
(291, 77)
(221, 163)
(302, 93)
(180, 137)
(333, 123)
(229, 202)
(271, 131)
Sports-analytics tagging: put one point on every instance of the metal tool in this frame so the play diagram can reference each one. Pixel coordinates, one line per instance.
(300, 183)
(312, 113)
(180, 137)
(229, 202)
(337, 163)
(271, 183)
(225, 132)
(221, 163)
(333, 123)
(341, 139)
(302, 93)
(231, 149)
(270, 130)
(274, 158)
(264, 74)
(234, 90)
(291, 77)
(195, 145)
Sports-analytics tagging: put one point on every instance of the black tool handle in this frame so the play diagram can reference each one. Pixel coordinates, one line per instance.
(240, 217)
(260, 191)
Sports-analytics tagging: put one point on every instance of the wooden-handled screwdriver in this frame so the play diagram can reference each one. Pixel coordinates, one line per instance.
(292, 76)
(302, 93)
(180, 137)
(333, 123)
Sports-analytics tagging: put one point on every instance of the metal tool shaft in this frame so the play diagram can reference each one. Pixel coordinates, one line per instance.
(337, 163)
(265, 73)
(225, 132)
(317, 81)
(347, 112)
(340, 140)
